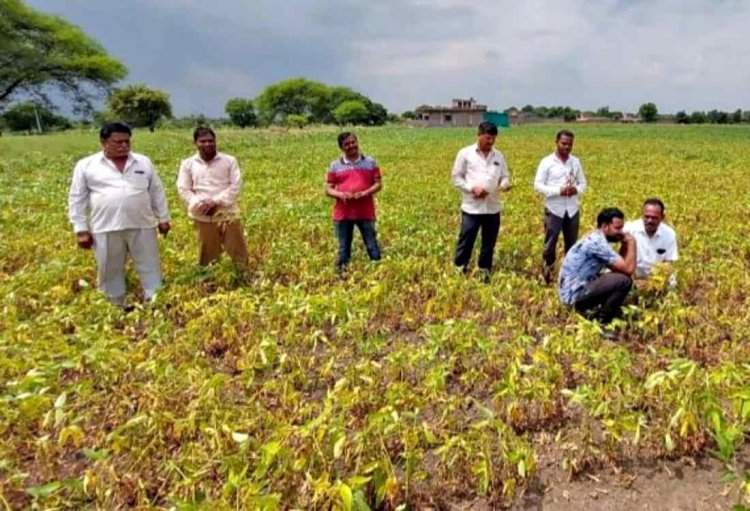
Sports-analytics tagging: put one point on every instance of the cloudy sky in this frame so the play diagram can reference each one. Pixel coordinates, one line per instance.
(680, 54)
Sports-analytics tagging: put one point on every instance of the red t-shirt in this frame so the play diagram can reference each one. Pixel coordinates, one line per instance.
(354, 177)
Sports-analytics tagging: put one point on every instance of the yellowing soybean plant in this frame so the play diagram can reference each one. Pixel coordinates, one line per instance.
(405, 384)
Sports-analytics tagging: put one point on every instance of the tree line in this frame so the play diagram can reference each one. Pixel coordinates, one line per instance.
(43, 53)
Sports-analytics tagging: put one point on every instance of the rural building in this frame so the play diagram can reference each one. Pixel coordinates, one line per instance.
(463, 112)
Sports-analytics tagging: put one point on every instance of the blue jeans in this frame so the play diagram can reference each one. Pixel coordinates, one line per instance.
(345, 234)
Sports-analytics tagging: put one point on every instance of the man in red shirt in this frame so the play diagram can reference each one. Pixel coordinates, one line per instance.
(352, 180)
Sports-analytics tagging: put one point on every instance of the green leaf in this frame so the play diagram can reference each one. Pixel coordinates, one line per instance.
(44, 490)
(346, 496)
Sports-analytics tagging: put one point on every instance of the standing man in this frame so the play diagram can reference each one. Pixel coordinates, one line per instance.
(581, 284)
(353, 180)
(479, 172)
(209, 183)
(657, 242)
(560, 179)
(116, 203)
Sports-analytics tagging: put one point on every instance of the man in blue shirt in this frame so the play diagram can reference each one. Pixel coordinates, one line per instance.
(582, 284)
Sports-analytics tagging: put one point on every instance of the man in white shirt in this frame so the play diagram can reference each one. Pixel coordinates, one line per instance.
(116, 203)
(480, 172)
(209, 183)
(560, 179)
(657, 242)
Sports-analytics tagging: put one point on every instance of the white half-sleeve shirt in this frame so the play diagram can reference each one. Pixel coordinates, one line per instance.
(652, 250)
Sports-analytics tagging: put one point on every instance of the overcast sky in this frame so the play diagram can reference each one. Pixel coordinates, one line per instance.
(680, 54)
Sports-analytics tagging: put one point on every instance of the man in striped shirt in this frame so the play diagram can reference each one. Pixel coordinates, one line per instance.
(352, 180)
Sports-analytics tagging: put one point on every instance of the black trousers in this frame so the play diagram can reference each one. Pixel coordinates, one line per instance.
(470, 227)
(608, 291)
(553, 225)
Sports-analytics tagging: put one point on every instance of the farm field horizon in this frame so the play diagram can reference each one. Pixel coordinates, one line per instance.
(403, 384)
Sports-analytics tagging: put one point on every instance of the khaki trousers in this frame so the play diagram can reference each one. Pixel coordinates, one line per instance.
(213, 237)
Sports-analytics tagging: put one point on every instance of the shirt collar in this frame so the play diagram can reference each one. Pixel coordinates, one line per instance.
(198, 158)
(480, 153)
(345, 160)
(641, 227)
(103, 158)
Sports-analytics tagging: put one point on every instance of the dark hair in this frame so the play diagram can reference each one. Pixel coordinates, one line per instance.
(487, 128)
(203, 130)
(564, 133)
(606, 216)
(343, 136)
(113, 127)
(655, 202)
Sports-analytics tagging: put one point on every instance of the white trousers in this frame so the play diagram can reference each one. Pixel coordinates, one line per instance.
(110, 250)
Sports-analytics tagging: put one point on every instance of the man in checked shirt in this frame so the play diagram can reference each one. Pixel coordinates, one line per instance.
(209, 182)
(560, 179)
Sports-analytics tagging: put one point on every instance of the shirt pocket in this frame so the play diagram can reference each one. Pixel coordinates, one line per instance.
(136, 181)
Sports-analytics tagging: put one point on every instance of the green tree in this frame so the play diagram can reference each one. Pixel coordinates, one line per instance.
(528, 109)
(351, 112)
(697, 117)
(409, 114)
(648, 112)
(140, 106)
(32, 116)
(296, 121)
(39, 52)
(682, 117)
(241, 112)
(296, 96)
(736, 116)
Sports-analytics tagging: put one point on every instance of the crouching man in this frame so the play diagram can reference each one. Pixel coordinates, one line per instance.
(582, 283)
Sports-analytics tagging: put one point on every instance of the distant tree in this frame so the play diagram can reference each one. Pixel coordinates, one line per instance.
(241, 112)
(529, 109)
(570, 114)
(648, 112)
(698, 117)
(717, 117)
(296, 121)
(313, 100)
(615, 115)
(746, 116)
(140, 105)
(296, 96)
(736, 116)
(542, 111)
(351, 112)
(603, 112)
(682, 117)
(409, 114)
(39, 53)
(32, 116)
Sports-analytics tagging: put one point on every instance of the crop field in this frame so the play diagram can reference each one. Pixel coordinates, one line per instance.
(405, 385)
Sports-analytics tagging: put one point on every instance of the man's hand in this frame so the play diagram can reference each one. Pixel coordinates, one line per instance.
(207, 207)
(359, 195)
(84, 239)
(568, 191)
(478, 192)
(629, 239)
(345, 196)
(164, 228)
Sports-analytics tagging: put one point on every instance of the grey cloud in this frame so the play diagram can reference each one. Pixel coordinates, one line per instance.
(682, 54)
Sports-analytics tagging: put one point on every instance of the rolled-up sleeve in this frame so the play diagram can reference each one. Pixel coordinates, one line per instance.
(228, 197)
(580, 179)
(540, 182)
(78, 200)
(185, 186)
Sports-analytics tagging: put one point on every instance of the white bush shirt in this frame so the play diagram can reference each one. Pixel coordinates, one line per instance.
(553, 174)
(103, 199)
(660, 247)
(472, 169)
(219, 180)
